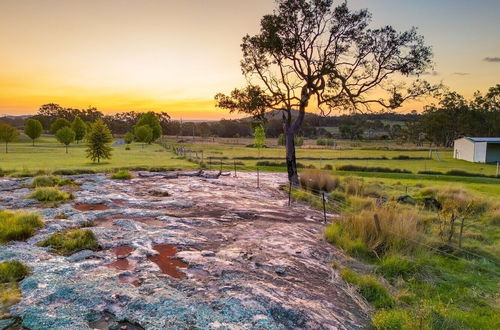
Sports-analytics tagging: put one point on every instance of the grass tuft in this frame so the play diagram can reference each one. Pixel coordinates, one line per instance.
(70, 241)
(49, 194)
(12, 271)
(369, 287)
(318, 180)
(16, 226)
(49, 181)
(394, 319)
(121, 175)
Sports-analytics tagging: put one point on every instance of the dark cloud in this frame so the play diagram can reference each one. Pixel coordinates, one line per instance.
(461, 73)
(492, 59)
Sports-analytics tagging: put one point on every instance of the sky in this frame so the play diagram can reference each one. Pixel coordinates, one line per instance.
(174, 56)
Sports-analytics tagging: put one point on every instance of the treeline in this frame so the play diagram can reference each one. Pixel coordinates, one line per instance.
(455, 117)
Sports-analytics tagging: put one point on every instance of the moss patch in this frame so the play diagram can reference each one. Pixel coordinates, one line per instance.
(17, 226)
(70, 241)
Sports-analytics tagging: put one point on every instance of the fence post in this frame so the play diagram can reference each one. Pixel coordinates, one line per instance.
(202, 159)
(235, 175)
(258, 178)
(210, 162)
(377, 223)
(221, 165)
(324, 205)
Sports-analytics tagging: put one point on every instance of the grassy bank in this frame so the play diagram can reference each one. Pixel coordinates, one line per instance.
(435, 254)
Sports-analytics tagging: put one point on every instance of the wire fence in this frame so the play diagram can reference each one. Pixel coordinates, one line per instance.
(330, 205)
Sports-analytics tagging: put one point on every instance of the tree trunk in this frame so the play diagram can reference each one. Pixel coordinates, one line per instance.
(291, 160)
(66, 148)
(33, 142)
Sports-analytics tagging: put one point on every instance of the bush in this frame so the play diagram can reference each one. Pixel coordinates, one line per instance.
(12, 271)
(18, 226)
(276, 164)
(400, 229)
(49, 181)
(73, 172)
(70, 241)
(326, 142)
(328, 167)
(49, 194)
(356, 168)
(369, 287)
(392, 267)
(353, 185)
(394, 319)
(317, 180)
(431, 172)
(298, 140)
(122, 175)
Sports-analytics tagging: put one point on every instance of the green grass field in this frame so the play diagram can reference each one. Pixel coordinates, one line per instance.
(49, 155)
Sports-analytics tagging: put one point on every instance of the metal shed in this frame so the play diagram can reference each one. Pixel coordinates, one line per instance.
(477, 149)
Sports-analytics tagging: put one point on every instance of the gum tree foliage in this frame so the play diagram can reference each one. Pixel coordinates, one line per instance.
(58, 124)
(150, 119)
(33, 128)
(143, 134)
(79, 127)
(7, 134)
(99, 139)
(312, 55)
(129, 138)
(259, 137)
(65, 135)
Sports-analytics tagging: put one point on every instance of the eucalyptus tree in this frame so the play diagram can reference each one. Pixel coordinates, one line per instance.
(313, 56)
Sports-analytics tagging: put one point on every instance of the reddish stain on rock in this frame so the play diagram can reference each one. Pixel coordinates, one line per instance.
(125, 278)
(122, 262)
(167, 261)
(91, 207)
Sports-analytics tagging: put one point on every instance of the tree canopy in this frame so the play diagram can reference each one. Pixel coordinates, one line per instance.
(99, 139)
(65, 135)
(308, 50)
(33, 129)
(8, 134)
(79, 127)
(150, 119)
(58, 124)
(143, 134)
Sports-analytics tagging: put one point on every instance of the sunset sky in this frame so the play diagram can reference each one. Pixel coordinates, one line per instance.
(174, 56)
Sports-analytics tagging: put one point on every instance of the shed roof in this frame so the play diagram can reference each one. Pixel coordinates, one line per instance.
(484, 139)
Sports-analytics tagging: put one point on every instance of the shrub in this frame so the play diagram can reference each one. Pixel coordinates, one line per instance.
(18, 226)
(369, 287)
(70, 241)
(49, 194)
(356, 168)
(328, 167)
(353, 185)
(49, 181)
(276, 164)
(12, 271)
(317, 180)
(74, 172)
(430, 172)
(326, 142)
(399, 229)
(394, 319)
(122, 175)
(465, 173)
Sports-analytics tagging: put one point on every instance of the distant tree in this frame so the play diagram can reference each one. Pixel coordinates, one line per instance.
(8, 134)
(143, 134)
(259, 137)
(58, 124)
(99, 139)
(79, 127)
(65, 136)
(129, 137)
(150, 119)
(308, 50)
(33, 128)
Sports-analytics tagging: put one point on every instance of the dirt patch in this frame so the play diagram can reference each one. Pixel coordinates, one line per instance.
(167, 261)
(91, 207)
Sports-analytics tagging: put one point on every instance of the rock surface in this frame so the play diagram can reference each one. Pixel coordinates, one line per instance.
(253, 262)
